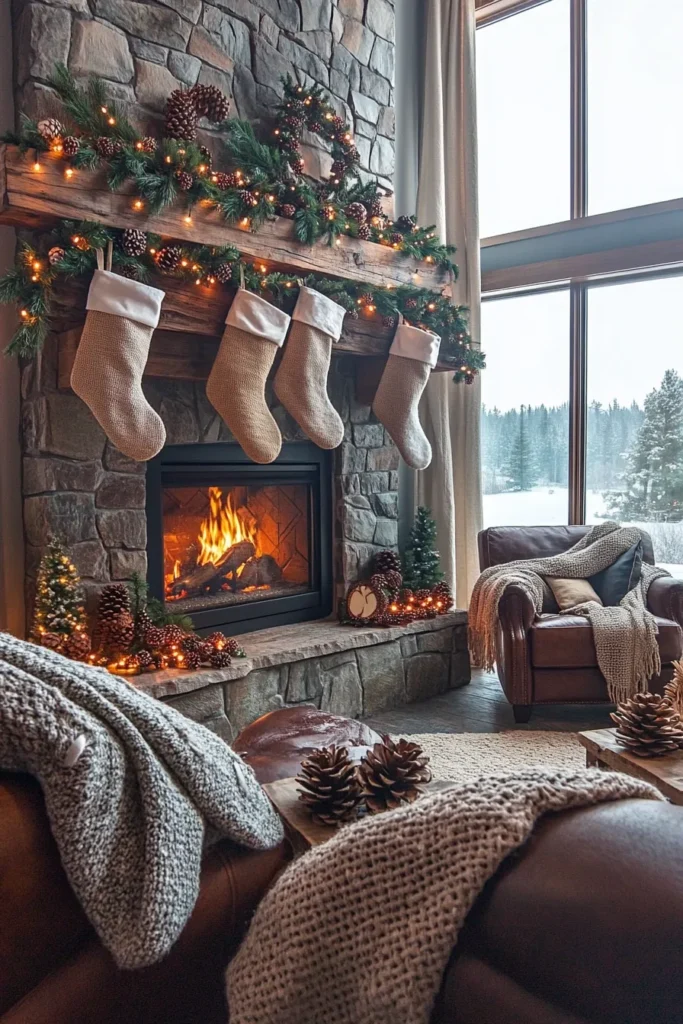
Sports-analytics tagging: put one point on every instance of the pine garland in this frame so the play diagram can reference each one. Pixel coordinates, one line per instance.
(265, 181)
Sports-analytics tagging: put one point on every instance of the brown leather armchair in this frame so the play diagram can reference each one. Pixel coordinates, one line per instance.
(550, 658)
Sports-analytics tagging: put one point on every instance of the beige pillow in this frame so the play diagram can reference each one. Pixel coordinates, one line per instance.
(569, 593)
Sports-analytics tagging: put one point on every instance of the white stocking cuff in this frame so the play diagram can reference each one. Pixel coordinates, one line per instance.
(119, 296)
(414, 343)
(250, 313)
(317, 310)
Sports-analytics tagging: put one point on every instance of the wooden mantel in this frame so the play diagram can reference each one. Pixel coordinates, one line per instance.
(35, 198)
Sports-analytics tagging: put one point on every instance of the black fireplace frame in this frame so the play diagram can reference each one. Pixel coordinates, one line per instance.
(226, 463)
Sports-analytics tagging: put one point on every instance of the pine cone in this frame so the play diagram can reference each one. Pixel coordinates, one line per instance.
(394, 579)
(146, 660)
(70, 145)
(367, 299)
(77, 646)
(216, 639)
(154, 637)
(233, 648)
(329, 785)
(247, 197)
(114, 599)
(357, 211)
(648, 725)
(288, 210)
(395, 237)
(223, 180)
(56, 255)
(128, 270)
(393, 773)
(168, 258)
(120, 631)
(338, 169)
(133, 242)
(181, 115)
(50, 129)
(193, 660)
(185, 180)
(379, 580)
(374, 207)
(388, 321)
(191, 642)
(223, 273)
(210, 102)
(406, 595)
(220, 659)
(142, 624)
(148, 144)
(364, 232)
(105, 147)
(338, 123)
(385, 561)
(406, 223)
(53, 641)
(411, 303)
(172, 634)
(442, 592)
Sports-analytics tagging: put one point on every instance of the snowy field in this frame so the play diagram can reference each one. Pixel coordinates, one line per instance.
(547, 506)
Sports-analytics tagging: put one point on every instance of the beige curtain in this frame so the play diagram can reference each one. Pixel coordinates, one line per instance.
(447, 197)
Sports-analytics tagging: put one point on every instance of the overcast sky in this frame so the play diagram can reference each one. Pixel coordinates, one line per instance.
(635, 155)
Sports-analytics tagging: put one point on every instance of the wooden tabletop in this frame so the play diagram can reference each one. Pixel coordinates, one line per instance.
(666, 773)
(305, 833)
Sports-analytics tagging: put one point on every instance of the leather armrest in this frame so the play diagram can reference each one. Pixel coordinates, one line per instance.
(516, 614)
(665, 598)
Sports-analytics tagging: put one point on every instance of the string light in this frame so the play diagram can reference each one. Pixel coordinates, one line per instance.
(183, 263)
(112, 120)
(36, 264)
(187, 218)
(244, 222)
(169, 159)
(36, 166)
(57, 147)
(69, 172)
(138, 144)
(138, 204)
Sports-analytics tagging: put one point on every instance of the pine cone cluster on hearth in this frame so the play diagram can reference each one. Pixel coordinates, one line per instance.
(649, 725)
(329, 785)
(393, 773)
(386, 561)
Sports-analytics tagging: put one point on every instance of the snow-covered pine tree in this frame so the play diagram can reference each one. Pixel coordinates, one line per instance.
(522, 465)
(653, 485)
(58, 613)
(421, 567)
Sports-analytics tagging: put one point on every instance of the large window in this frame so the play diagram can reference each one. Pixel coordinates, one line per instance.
(581, 188)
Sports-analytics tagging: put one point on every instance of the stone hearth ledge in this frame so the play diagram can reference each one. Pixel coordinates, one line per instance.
(285, 644)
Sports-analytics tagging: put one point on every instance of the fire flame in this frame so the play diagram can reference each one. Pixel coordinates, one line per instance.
(222, 528)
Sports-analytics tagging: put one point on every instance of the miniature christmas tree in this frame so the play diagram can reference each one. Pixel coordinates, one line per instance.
(421, 559)
(59, 620)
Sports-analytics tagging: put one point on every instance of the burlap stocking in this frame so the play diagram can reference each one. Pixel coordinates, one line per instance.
(301, 380)
(254, 330)
(111, 357)
(412, 356)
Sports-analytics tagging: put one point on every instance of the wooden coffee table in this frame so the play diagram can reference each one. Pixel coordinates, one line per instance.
(666, 773)
(302, 831)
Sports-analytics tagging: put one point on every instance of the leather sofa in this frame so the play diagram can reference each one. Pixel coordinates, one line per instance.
(582, 926)
(551, 659)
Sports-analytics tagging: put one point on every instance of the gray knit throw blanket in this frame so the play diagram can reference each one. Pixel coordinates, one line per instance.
(625, 637)
(133, 790)
(360, 929)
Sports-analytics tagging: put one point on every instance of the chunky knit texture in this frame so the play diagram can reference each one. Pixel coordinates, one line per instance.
(301, 384)
(132, 814)
(237, 390)
(359, 930)
(107, 375)
(625, 637)
(396, 407)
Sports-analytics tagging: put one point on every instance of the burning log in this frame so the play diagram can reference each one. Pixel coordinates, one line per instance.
(206, 576)
(236, 556)
(268, 570)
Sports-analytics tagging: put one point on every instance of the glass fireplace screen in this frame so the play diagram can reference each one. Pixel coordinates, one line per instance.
(234, 544)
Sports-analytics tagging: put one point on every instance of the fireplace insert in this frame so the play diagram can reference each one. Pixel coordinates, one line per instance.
(238, 546)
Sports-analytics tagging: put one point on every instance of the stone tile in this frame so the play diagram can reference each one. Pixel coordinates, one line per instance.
(426, 676)
(364, 106)
(120, 491)
(223, 80)
(347, 65)
(359, 524)
(222, 727)
(184, 67)
(72, 430)
(120, 463)
(202, 45)
(386, 124)
(152, 22)
(67, 515)
(408, 646)
(337, 25)
(319, 43)
(382, 60)
(363, 146)
(190, 9)
(285, 13)
(304, 683)
(315, 14)
(342, 692)
(269, 30)
(370, 435)
(149, 51)
(124, 563)
(379, 17)
(381, 672)
(154, 84)
(357, 501)
(351, 484)
(47, 474)
(353, 459)
(365, 128)
(200, 704)
(269, 65)
(352, 8)
(386, 504)
(382, 159)
(383, 458)
(386, 533)
(124, 528)
(358, 40)
(356, 560)
(373, 483)
(34, 425)
(461, 671)
(440, 640)
(98, 49)
(228, 34)
(375, 86)
(304, 60)
(43, 37)
(243, 9)
(255, 695)
(90, 559)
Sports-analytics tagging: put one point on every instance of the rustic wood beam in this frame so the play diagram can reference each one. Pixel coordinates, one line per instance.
(31, 197)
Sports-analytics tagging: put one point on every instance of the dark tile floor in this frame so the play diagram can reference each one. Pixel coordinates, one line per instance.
(482, 707)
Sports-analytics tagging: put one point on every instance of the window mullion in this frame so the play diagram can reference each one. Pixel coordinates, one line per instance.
(577, 404)
(579, 165)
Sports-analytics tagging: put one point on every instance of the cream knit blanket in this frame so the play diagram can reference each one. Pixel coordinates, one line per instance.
(360, 930)
(625, 637)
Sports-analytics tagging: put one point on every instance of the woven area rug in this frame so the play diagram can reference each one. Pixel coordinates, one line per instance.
(462, 757)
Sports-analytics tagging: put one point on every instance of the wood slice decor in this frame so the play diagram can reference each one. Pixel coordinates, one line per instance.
(364, 601)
